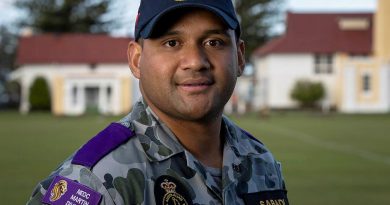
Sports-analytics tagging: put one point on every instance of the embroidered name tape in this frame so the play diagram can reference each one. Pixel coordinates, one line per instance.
(67, 192)
(277, 197)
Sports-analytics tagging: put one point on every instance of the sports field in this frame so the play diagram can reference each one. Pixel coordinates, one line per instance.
(327, 159)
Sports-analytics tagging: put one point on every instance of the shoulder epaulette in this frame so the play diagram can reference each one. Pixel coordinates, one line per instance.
(103, 143)
(251, 136)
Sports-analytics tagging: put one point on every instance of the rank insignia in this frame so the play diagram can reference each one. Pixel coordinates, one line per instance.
(170, 191)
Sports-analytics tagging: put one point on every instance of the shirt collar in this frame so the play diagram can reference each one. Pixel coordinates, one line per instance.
(157, 140)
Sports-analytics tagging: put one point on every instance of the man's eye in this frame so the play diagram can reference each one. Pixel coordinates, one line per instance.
(214, 43)
(172, 43)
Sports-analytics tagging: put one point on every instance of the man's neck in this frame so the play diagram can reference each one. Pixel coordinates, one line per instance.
(203, 140)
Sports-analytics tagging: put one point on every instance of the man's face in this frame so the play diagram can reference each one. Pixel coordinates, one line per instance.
(189, 72)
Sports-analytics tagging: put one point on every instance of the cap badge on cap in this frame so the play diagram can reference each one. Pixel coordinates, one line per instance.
(179, 0)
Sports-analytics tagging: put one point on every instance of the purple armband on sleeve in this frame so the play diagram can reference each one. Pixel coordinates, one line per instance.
(102, 144)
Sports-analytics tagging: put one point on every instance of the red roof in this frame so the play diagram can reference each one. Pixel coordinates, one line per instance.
(320, 33)
(72, 49)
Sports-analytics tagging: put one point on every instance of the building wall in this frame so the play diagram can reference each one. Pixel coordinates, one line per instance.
(382, 30)
(58, 93)
(242, 96)
(277, 74)
(353, 98)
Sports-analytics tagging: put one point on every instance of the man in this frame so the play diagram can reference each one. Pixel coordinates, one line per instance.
(175, 147)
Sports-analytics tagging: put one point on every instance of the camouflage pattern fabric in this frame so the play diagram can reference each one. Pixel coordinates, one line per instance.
(154, 168)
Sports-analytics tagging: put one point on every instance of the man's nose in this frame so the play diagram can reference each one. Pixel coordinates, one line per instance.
(194, 57)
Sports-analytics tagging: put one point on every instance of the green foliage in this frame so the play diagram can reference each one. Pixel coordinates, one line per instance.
(257, 17)
(66, 16)
(8, 44)
(307, 93)
(40, 95)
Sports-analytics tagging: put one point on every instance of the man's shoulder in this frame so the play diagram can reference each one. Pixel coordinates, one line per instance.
(247, 142)
(253, 143)
(79, 170)
(239, 132)
(102, 144)
(250, 136)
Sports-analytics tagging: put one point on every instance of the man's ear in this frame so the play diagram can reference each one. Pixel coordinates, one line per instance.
(134, 57)
(241, 56)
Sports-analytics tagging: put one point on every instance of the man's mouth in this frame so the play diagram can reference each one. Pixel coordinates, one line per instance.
(196, 85)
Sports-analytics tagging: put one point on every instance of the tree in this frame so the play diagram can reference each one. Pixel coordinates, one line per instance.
(67, 16)
(40, 95)
(8, 44)
(257, 17)
(307, 93)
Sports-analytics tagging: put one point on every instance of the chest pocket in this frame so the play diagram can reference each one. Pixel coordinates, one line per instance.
(277, 197)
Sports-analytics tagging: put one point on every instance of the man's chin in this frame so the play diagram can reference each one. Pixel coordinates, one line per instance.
(201, 114)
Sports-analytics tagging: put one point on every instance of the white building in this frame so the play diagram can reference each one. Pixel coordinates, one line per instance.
(85, 72)
(242, 96)
(344, 51)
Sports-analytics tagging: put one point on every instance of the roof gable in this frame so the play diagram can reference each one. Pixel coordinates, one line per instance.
(323, 33)
(72, 49)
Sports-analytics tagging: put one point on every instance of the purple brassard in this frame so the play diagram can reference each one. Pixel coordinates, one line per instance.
(102, 144)
(67, 192)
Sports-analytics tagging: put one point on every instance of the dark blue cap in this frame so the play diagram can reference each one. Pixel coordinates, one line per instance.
(151, 11)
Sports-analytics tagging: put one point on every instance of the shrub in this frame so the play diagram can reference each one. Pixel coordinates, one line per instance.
(40, 95)
(307, 93)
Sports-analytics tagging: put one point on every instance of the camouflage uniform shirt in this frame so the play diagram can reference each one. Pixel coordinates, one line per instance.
(140, 161)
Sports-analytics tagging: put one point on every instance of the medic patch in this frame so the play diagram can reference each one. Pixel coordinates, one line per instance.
(277, 197)
(67, 192)
(169, 191)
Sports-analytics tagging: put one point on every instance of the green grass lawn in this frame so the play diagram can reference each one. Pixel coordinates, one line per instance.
(331, 159)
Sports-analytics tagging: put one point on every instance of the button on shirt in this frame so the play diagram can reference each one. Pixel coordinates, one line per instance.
(152, 167)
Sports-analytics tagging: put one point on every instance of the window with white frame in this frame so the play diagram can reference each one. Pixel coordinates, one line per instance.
(323, 64)
(366, 83)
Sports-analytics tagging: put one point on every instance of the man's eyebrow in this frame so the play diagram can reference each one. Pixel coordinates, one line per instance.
(171, 33)
(224, 32)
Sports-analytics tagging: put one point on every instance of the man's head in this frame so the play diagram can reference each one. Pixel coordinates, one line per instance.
(188, 62)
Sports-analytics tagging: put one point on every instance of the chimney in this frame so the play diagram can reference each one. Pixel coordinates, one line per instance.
(26, 32)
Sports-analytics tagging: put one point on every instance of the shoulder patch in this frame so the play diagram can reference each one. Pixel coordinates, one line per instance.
(251, 136)
(65, 191)
(103, 143)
